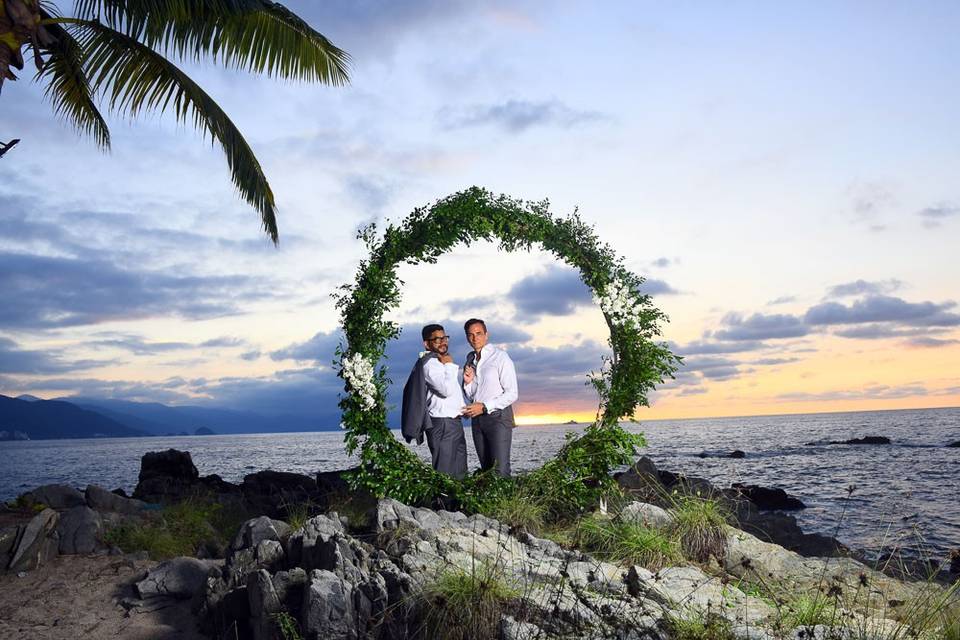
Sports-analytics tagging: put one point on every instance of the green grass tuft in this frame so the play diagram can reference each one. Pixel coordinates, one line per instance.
(712, 628)
(466, 604)
(700, 526)
(626, 543)
(181, 529)
(809, 611)
(520, 510)
(287, 625)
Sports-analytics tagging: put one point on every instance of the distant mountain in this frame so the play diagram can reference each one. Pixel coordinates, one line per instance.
(46, 419)
(160, 419)
(29, 398)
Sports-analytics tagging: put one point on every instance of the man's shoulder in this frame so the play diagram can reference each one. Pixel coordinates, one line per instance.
(501, 352)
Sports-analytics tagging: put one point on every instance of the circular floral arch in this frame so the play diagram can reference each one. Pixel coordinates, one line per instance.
(581, 471)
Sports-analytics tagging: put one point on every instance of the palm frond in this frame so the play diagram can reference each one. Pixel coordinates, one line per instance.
(137, 78)
(68, 87)
(256, 35)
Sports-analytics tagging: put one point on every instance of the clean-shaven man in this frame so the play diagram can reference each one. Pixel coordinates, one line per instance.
(490, 385)
(448, 446)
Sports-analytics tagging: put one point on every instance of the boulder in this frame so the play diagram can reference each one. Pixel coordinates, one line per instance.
(180, 578)
(328, 610)
(37, 542)
(648, 515)
(768, 499)
(256, 530)
(641, 479)
(264, 603)
(954, 445)
(166, 476)
(80, 529)
(864, 440)
(100, 499)
(737, 453)
(8, 538)
(272, 492)
(55, 496)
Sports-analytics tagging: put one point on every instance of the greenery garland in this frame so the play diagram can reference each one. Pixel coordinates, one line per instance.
(580, 473)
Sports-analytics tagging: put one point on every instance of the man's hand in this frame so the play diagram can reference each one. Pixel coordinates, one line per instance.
(446, 358)
(473, 410)
(468, 373)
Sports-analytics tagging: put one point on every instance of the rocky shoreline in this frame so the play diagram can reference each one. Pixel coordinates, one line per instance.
(373, 572)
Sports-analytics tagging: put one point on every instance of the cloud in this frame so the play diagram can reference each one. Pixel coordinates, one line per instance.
(558, 291)
(692, 391)
(861, 287)
(713, 368)
(934, 216)
(319, 349)
(470, 306)
(48, 291)
(879, 308)
(703, 347)
(872, 392)
(13, 359)
(224, 341)
(928, 342)
(373, 194)
(515, 116)
(761, 326)
(774, 361)
(654, 287)
(374, 28)
(869, 200)
(782, 300)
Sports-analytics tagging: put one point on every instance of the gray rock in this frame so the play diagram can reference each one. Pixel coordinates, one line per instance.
(511, 629)
(646, 514)
(8, 538)
(240, 563)
(32, 547)
(55, 496)
(309, 547)
(328, 610)
(80, 529)
(100, 499)
(180, 578)
(252, 532)
(264, 602)
(390, 514)
(288, 584)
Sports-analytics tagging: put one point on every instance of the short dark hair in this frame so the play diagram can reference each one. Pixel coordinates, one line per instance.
(473, 321)
(430, 328)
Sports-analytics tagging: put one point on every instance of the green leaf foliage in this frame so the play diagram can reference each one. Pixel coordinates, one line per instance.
(580, 473)
(119, 51)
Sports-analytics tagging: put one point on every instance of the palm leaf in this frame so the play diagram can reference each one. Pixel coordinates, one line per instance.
(256, 35)
(68, 88)
(137, 78)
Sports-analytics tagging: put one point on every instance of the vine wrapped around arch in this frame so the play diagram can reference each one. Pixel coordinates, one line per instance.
(580, 473)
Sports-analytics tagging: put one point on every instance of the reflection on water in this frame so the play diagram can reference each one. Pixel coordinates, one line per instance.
(900, 489)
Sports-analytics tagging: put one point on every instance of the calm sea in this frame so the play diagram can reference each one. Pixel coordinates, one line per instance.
(905, 494)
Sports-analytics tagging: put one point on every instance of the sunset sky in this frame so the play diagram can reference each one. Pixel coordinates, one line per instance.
(785, 175)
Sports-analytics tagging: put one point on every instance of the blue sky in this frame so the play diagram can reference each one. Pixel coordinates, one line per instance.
(784, 174)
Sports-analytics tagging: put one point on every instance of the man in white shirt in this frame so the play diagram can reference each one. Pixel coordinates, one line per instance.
(448, 446)
(490, 385)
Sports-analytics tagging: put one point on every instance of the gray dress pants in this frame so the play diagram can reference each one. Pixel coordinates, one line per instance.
(448, 446)
(493, 436)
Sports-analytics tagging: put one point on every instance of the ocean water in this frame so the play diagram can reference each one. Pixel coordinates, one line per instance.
(903, 495)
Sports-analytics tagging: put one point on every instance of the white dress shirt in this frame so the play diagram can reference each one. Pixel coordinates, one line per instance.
(444, 395)
(495, 381)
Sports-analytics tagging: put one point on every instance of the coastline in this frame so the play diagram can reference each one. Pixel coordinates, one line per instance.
(292, 563)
